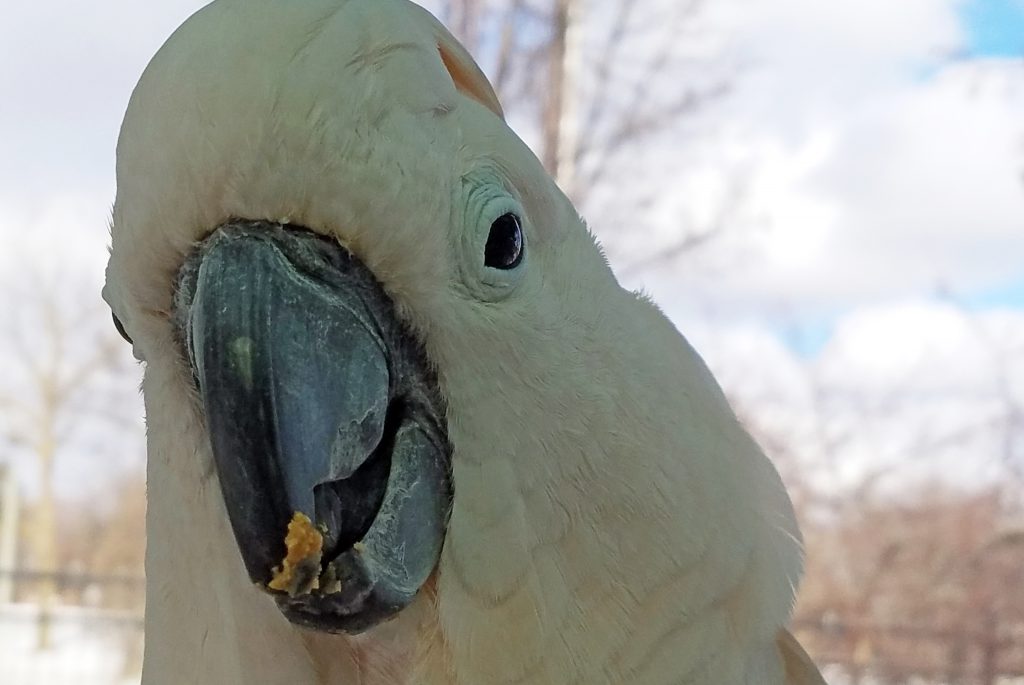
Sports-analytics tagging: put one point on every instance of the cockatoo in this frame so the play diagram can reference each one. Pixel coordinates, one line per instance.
(404, 425)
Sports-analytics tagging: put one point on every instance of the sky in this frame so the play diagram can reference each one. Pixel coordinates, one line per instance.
(881, 143)
(886, 153)
(993, 28)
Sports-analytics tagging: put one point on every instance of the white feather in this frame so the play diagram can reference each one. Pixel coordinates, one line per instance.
(613, 523)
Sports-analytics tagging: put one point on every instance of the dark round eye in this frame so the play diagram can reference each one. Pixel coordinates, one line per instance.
(504, 249)
(120, 328)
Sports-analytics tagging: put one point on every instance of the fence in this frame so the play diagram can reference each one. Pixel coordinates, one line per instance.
(87, 629)
(71, 629)
(898, 654)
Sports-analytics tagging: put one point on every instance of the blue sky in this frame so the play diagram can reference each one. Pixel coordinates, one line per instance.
(995, 28)
(1009, 296)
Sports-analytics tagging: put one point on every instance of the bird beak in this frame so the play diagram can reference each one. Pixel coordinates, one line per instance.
(326, 426)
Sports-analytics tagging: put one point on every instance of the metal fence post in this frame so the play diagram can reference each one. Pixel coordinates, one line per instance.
(9, 509)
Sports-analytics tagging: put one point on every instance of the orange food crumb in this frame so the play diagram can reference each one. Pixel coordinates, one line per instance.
(299, 572)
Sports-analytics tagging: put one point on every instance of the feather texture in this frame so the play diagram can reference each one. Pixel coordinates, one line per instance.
(612, 523)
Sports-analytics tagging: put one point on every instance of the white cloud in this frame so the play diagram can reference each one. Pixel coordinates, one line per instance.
(872, 167)
(915, 390)
(937, 348)
(66, 229)
(67, 71)
(814, 56)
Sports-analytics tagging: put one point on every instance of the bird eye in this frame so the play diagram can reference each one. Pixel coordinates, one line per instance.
(504, 249)
(120, 328)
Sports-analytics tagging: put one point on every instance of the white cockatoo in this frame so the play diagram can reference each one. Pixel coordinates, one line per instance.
(404, 426)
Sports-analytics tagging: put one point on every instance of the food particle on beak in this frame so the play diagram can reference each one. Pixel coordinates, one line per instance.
(299, 573)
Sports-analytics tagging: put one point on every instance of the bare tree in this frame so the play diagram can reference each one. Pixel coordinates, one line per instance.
(57, 394)
(906, 579)
(593, 86)
(923, 587)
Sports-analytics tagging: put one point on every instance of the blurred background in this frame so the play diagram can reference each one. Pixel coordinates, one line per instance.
(827, 198)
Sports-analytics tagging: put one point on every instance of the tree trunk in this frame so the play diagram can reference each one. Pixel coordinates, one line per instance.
(45, 537)
(990, 652)
(561, 118)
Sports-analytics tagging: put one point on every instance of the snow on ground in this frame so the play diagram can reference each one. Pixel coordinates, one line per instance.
(89, 647)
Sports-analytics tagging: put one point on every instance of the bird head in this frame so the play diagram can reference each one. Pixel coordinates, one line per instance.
(381, 344)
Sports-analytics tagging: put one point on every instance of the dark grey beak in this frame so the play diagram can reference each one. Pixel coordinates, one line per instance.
(318, 404)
